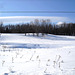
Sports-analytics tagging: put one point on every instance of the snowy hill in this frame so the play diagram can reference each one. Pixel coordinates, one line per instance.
(32, 55)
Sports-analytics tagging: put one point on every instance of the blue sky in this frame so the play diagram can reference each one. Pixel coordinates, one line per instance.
(39, 5)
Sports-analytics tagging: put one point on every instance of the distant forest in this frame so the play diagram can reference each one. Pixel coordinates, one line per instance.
(39, 26)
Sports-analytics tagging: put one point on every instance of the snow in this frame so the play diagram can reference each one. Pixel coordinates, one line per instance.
(32, 55)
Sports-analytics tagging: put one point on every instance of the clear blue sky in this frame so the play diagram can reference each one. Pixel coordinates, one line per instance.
(38, 5)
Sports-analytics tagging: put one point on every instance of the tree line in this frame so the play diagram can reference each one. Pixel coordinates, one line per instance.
(39, 26)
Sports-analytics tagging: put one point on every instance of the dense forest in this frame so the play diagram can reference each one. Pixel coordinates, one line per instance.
(39, 26)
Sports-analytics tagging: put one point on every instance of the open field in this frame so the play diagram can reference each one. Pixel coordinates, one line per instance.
(32, 55)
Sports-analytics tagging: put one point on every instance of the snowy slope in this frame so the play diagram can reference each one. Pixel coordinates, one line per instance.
(32, 55)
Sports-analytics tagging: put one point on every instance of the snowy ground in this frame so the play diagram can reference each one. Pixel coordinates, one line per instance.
(32, 55)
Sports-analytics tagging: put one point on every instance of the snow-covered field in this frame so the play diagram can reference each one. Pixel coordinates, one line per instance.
(32, 55)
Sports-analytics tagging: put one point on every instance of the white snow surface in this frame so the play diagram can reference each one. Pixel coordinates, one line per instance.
(32, 55)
